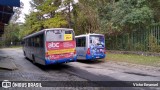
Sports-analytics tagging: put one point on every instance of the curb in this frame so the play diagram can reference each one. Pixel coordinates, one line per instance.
(7, 64)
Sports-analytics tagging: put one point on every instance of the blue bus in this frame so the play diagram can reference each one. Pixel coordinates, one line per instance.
(50, 46)
(90, 46)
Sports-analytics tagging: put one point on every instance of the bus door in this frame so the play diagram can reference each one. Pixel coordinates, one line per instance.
(97, 46)
(81, 47)
(60, 45)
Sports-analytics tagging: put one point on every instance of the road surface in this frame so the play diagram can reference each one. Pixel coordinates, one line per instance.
(78, 71)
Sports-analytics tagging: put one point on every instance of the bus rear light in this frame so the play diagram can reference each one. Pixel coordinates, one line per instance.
(47, 55)
(74, 51)
(88, 51)
(104, 51)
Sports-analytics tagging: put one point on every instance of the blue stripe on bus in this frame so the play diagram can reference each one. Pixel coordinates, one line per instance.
(60, 60)
(94, 57)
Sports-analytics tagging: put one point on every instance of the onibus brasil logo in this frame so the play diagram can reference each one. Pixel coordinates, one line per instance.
(8, 84)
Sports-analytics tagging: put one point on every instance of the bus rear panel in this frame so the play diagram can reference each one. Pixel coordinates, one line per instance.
(50, 46)
(90, 47)
(60, 46)
(96, 48)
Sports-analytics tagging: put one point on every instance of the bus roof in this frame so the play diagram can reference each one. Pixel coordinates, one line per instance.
(43, 30)
(84, 35)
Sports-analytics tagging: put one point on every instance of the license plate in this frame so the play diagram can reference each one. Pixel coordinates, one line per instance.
(97, 57)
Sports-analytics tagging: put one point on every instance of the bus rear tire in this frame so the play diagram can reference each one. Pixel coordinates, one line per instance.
(33, 59)
(24, 53)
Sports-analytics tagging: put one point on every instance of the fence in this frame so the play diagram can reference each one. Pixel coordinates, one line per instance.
(138, 40)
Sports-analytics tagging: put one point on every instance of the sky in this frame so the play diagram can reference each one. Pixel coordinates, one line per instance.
(26, 9)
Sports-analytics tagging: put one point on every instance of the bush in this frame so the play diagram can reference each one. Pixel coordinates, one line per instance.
(153, 44)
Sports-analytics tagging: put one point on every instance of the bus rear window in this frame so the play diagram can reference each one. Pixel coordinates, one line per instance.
(97, 40)
(59, 35)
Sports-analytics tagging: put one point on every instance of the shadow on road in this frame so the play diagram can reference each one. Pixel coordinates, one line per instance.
(90, 62)
(55, 67)
(64, 66)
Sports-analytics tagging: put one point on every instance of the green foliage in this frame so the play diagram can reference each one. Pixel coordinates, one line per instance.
(153, 44)
(2, 44)
(138, 40)
(86, 18)
(57, 21)
(125, 15)
(110, 17)
(139, 47)
(67, 12)
(48, 7)
(155, 6)
(45, 16)
(11, 34)
(138, 16)
(32, 24)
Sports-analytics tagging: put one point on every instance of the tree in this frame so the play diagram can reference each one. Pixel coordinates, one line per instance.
(68, 4)
(111, 17)
(155, 6)
(32, 24)
(11, 32)
(125, 15)
(17, 13)
(43, 15)
(85, 17)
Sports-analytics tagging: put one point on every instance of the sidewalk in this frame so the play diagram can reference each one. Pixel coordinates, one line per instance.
(6, 63)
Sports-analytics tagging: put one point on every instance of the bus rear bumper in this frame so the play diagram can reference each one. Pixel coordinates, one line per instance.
(48, 62)
(95, 57)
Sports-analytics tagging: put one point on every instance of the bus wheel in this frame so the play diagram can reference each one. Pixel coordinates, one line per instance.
(24, 53)
(33, 59)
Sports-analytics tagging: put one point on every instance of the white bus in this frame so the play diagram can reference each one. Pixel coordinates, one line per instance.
(90, 46)
(50, 46)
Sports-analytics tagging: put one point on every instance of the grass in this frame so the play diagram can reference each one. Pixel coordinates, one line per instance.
(135, 59)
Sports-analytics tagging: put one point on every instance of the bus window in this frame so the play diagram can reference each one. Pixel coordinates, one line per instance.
(81, 42)
(26, 42)
(38, 41)
(32, 42)
(68, 32)
(41, 40)
(59, 35)
(96, 40)
(37, 44)
(29, 42)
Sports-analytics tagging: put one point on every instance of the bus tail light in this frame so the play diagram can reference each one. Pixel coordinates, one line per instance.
(47, 55)
(74, 51)
(88, 51)
(104, 51)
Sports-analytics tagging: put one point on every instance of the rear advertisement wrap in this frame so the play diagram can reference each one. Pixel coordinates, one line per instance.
(60, 50)
(68, 37)
(97, 45)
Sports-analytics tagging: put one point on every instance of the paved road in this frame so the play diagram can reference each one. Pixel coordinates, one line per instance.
(78, 71)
